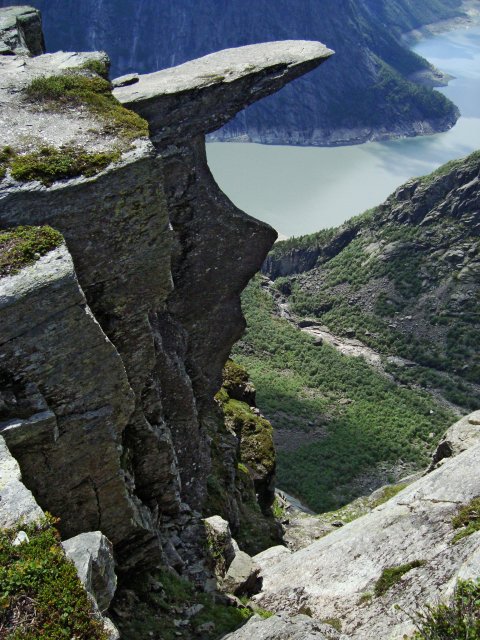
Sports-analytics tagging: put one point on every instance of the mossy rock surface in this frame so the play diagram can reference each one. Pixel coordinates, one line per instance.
(49, 164)
(41, 595)
(24, 245)
(77, 89)
(257, 451)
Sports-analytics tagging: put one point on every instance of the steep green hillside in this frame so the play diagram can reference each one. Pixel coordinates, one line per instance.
(342, 428)
(400, 282)
(403, 279)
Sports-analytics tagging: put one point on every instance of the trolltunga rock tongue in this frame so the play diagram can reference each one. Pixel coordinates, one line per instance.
(202, 95)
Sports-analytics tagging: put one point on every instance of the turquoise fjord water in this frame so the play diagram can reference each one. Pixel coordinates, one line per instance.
(300, 190)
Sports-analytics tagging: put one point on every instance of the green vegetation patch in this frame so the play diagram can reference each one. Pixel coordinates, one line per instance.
(366, 419)
(467, 521)
(392, 575)
(49, 164)
(25, 245)
(95, 93)
(41, 595)
(458, 619)
(256, 436)
(160, 601)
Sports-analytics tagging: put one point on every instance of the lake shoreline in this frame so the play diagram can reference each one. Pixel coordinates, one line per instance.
(301, 189)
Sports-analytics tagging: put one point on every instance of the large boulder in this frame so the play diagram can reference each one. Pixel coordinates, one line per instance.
(242, 576)
(271, 556)
(220, 544)
(92, 554)
(281, 627)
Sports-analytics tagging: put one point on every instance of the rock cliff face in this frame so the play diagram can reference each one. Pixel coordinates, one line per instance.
(370, 94)
(112, 344)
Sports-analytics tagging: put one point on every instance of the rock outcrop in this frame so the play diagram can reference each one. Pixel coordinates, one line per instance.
(284, 627)
(338, 576)
(113, 343)
(21, 32)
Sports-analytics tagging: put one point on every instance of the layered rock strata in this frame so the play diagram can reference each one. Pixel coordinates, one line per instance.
(112, 345)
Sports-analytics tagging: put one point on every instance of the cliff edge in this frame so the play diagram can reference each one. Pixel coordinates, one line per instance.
(118, 317)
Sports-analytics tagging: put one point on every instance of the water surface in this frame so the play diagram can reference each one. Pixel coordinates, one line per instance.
(299, 190)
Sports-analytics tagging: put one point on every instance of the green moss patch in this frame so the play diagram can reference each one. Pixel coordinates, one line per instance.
(5, 156)
(49, 164)
(100, 67)
(458, 619)
(25, 245)
(467, 521)
(256, 436)
(95, 93)
(392, 575)
(40, 593)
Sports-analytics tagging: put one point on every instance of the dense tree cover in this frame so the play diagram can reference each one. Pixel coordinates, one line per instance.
(368, 420)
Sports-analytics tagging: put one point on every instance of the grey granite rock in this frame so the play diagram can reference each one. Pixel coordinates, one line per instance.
(51, 342)
(271, 556)
(200, 96)
(242, 575)
(21, 31)
(331, 575)
(92, 554)
(16, 501)
(220, 544)
(283, 627)
(459, 437)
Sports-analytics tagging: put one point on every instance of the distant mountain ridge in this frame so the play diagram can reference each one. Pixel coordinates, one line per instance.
(364, 93)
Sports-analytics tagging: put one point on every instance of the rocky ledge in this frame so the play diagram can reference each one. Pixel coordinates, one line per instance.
(415, 537)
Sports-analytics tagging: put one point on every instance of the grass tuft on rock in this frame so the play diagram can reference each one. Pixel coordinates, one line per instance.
(95, 93)
(100, 67)
(6, 155)
(49, 164)
(458, 619)
(467, 521)
(24, 245)
(41, 595)
(392, 575)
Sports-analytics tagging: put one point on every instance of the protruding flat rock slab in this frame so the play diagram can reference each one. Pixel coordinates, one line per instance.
(202, 95)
